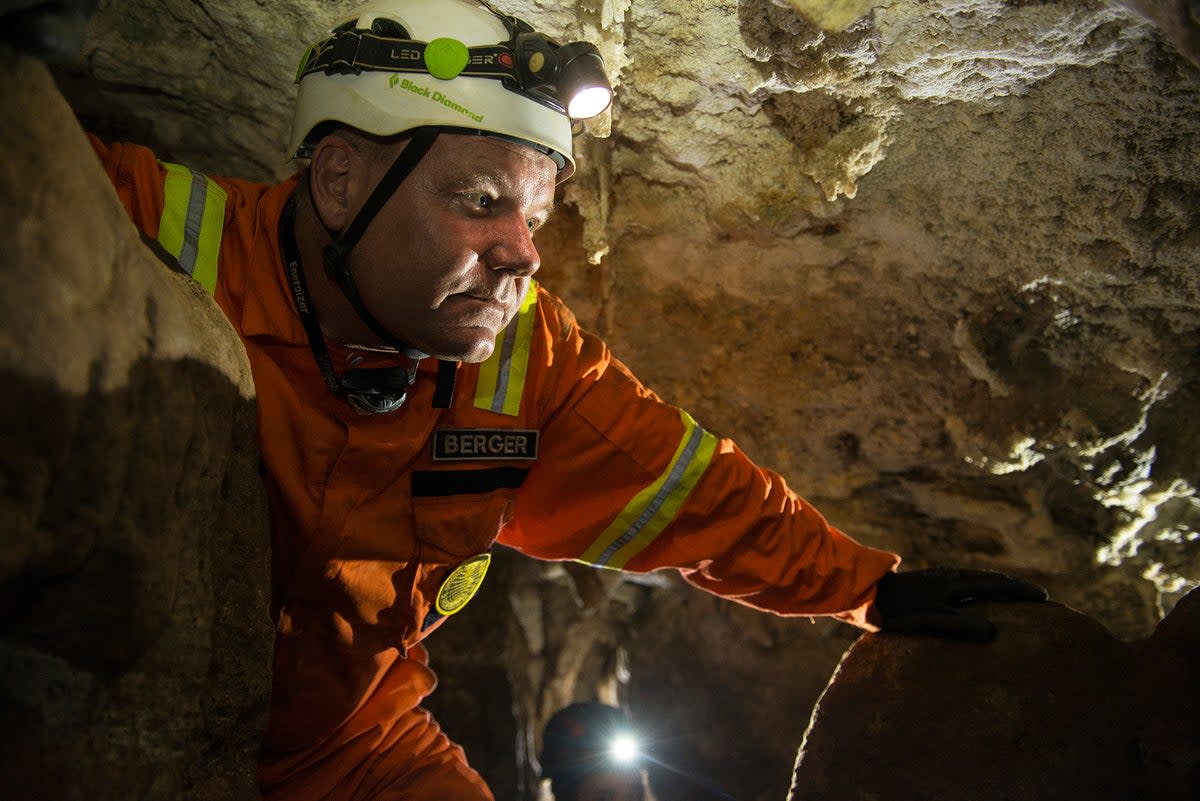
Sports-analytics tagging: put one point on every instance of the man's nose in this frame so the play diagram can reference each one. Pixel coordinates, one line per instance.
(513, 249)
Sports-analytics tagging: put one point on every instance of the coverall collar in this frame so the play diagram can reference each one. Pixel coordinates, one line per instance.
(267, 308)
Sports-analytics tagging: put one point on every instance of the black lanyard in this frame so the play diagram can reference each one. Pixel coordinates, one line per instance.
(369, 390)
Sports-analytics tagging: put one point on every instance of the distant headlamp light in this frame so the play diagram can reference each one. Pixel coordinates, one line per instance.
(624, 749)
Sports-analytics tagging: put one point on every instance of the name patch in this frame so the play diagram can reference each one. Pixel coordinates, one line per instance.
(484, 444)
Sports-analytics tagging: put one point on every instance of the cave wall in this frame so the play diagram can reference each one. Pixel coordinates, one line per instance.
(1057, 708)
(135, 633)
(947, 284)
(934, 262)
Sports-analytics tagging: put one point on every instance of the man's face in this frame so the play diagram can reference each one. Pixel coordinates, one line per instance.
(445, 264)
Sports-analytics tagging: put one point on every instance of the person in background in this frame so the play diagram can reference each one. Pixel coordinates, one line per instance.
(591, 753)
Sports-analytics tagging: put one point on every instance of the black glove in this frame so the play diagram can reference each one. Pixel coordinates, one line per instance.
(930, 601)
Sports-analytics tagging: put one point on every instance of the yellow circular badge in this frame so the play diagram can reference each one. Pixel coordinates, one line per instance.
(462, 584)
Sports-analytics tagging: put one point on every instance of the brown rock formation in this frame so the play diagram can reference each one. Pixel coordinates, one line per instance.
(1055, 708)
(134, 630)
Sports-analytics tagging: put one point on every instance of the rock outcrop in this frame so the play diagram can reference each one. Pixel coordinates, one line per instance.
(1056, 707)
(135, 634)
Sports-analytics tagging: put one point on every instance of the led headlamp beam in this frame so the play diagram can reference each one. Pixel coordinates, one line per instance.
(582, 82)
(568, 78)
(624, 749)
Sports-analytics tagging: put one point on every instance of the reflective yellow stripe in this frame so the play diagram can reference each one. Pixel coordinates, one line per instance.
(652, 509)
(193, 217)
(502, 377)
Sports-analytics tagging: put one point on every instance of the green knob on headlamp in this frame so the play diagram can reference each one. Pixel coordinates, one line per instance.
(445, 58)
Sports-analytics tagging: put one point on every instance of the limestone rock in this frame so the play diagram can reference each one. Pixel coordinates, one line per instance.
(1054, 708)
(134, 572)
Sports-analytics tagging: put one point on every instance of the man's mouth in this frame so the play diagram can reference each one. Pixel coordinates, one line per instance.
(483, 303)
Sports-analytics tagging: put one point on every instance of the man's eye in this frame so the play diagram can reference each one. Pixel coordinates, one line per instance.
(482, 201)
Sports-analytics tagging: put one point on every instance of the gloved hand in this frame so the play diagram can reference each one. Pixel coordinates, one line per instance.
(930, 601)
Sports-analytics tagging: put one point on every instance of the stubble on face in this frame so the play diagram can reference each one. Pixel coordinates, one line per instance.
(452, 257)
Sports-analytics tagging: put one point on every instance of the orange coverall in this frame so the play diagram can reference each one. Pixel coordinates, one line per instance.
(551, 447)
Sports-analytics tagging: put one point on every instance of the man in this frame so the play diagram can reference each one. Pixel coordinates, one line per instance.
(420, 398)
(592, 752)
(589, 753)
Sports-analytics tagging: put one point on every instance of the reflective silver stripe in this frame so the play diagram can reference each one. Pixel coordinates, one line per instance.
(501, 381)
(657, 504)
(664, 492)
(192, 221)
(510, 338)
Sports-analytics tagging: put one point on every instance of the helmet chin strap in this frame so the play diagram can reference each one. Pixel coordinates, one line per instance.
(378, 390)
(335, 253)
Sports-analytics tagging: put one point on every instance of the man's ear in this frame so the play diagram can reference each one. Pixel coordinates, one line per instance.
(337, 169)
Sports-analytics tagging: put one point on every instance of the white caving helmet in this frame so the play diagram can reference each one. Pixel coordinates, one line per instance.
(421, 68)
(398, 65)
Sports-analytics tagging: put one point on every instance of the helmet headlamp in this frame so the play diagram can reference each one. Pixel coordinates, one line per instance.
(624, 749)
(582, 84)
(567, 78)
